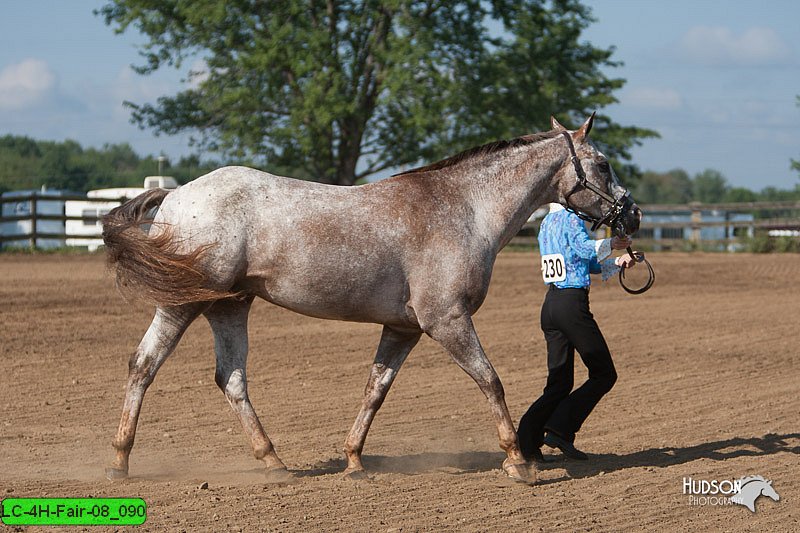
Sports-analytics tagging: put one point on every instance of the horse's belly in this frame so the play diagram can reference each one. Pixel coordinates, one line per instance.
(336, 299)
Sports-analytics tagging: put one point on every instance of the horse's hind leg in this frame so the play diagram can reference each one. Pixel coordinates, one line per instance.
(157, 344)
(393, 349)
(228, 320)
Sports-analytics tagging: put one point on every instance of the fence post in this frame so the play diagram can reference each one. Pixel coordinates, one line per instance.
(33, 221)
(697, 217)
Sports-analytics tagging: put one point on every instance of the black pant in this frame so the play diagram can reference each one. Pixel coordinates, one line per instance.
(568, 325)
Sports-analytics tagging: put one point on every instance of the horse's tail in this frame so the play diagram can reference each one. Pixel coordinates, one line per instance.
(152, 267)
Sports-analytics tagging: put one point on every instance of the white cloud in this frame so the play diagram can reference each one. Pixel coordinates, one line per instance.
(719, 46)
(653, 98)
(24, 84)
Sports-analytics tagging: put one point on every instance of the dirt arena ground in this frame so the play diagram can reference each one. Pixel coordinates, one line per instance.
(708, 389)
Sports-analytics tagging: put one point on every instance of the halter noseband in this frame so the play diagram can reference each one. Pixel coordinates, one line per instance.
(617, 204)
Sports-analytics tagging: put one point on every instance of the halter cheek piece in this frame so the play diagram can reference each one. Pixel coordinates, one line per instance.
(617, 204)
(609, 218)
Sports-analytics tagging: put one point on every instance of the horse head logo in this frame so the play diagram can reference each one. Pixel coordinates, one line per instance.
(751, 488)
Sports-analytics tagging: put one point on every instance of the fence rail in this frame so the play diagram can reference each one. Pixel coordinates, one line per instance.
(667, 226)
(62, 218)
(768, 223)
(34, 216)
(739, 207)
(787, 217)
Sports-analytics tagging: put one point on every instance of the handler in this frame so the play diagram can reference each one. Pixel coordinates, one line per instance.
(569, 255)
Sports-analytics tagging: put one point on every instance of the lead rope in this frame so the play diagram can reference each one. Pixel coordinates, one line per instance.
(639, 258)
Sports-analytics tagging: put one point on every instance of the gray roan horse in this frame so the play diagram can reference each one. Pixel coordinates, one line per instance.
(413, 252)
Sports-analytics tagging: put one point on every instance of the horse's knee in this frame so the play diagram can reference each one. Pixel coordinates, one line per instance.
(492, 387)
(232, 384)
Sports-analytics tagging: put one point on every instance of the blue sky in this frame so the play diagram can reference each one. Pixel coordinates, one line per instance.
(717, 79)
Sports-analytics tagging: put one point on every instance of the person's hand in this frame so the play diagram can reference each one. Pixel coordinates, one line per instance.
(625, 261)
(620, 243)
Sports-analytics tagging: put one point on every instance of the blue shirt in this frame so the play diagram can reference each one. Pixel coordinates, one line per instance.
(563, 232)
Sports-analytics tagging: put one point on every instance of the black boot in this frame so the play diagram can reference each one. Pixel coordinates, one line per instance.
(566, 447)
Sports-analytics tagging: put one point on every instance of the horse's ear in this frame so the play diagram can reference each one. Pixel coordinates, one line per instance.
(584, 130)
(556, 125)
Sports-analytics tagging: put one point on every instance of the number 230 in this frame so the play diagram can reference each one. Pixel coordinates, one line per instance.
(553, 268)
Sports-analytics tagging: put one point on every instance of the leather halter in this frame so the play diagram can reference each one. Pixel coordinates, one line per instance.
(613, 213)
(608, 218)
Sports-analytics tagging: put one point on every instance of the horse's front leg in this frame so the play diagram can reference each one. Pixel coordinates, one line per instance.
(157, 344)
(455, 332)
(392, 351)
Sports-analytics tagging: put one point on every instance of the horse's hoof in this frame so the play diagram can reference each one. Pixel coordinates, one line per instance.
(116, 474)
(521, 472)
(279, 476)
(356, 475)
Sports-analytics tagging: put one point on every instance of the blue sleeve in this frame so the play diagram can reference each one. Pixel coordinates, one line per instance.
(581, 242)
(594, 266)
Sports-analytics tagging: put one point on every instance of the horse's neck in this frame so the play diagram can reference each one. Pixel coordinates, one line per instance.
(505, 189)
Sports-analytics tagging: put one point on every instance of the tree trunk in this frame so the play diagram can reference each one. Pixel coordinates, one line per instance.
(349, 151)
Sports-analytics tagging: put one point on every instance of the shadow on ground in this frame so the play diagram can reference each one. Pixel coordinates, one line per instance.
(473, 462)
(769, 444)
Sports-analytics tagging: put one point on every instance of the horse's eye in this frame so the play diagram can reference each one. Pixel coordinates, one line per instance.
(604, 166)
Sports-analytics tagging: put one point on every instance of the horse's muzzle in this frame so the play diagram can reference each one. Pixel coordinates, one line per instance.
(627, 222)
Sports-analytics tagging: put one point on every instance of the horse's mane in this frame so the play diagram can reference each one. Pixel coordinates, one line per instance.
(485, 149)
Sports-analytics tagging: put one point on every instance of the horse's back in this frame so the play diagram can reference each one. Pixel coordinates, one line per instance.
(321, 250)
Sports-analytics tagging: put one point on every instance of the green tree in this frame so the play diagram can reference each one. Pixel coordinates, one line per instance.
(673, 187)
(740, 195)
(340, 90)
(709, 187)
(63, 167)
(794, 163)
(773, 194)
(29, 164)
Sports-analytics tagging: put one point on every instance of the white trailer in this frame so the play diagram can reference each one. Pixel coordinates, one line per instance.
(88, 232)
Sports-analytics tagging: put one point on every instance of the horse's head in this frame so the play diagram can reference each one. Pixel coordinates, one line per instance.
(768, 491)
(589, 186)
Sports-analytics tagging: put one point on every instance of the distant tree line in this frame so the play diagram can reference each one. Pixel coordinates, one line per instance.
(796, 163)
(709, 186)
(26, 163)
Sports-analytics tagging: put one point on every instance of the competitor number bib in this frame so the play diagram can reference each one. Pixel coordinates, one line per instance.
(553, 268)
